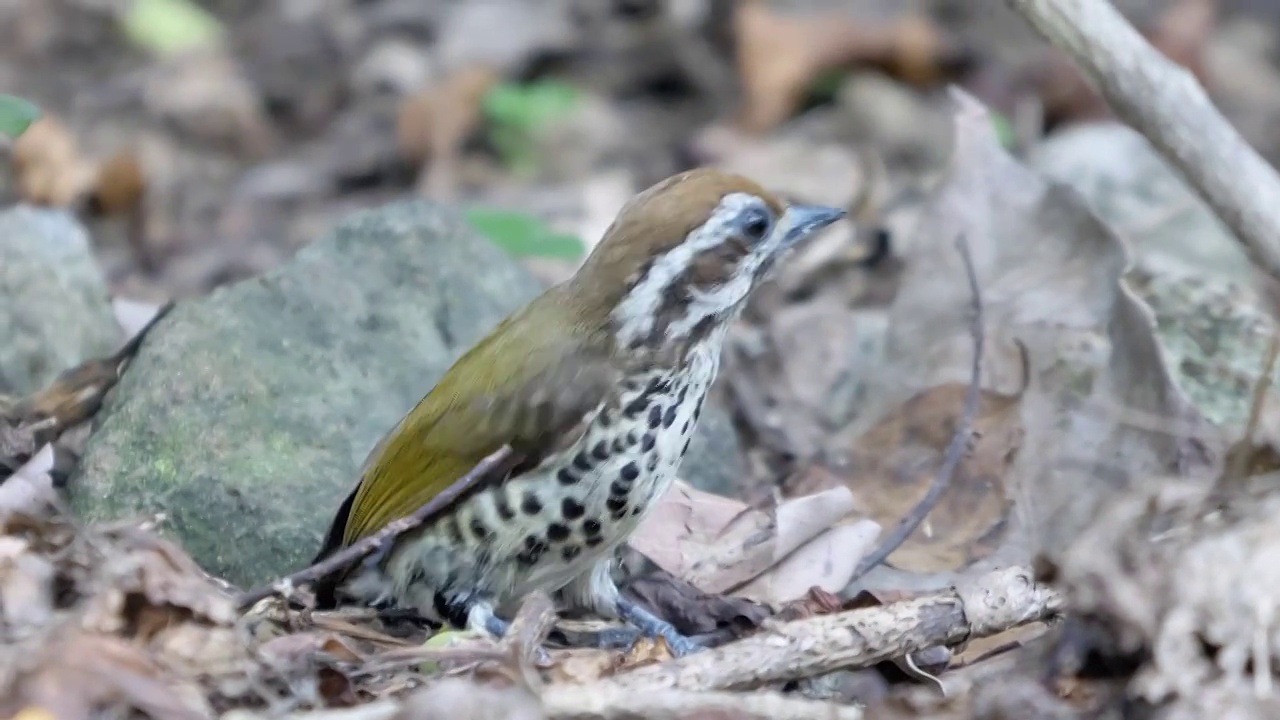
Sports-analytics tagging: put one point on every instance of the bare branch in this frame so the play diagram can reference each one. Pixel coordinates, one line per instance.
(858, 638)
(1165, 103)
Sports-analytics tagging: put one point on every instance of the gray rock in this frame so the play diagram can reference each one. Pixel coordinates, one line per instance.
(1187, 265)
(1168, 228)
(247, 414)
(54, 308)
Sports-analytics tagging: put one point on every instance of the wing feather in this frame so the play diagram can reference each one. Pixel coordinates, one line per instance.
(472, 411)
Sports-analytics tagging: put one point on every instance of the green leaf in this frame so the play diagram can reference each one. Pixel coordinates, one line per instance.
(523, 235)
(515, 112)
(827, 84)
(16, 115)
(440, 641)
(1004, 130)
(531, 105)
(170, 26)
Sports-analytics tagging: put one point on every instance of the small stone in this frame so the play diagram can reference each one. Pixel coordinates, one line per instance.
(54, 308)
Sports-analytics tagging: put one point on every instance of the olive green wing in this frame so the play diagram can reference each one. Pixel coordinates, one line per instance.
(518, 387)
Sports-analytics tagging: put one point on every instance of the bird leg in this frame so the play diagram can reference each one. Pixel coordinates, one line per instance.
(481, 618)
(653, 626)
(598, 592)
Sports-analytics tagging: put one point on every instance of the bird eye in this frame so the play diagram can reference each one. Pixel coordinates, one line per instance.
(755, 224)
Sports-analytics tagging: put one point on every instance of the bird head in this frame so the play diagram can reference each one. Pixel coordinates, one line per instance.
(683, 256)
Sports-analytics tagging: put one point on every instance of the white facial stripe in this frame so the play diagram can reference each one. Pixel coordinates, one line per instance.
(724, 297)
(636, 313)
(704, 303)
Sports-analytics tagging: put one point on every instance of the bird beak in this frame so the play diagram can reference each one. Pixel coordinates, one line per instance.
(804, 220)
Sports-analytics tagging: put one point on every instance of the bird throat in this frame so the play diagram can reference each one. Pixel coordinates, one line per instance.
(551, 525)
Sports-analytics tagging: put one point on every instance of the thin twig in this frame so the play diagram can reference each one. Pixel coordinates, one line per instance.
(959, 441)
(360, 549)
(1238, 462)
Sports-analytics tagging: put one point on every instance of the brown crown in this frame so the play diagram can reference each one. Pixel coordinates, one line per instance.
(654, 221)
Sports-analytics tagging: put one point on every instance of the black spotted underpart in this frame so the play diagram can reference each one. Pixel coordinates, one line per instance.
(549, 525)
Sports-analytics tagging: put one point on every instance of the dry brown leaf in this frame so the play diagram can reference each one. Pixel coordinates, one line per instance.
(979, 649)
(432, 124)
(646, 651)
(155, 570)
(583, 665)
(690, 610)
(81, 676)
(118, 185)
(1051, 277)
(719, 544)
(892, 466)
(780, 55)
(49, 165)
(217, 653)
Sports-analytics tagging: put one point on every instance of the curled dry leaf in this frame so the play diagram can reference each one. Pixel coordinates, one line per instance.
(721, 545)
(1051, 278)
(310, 662)
(155, 571)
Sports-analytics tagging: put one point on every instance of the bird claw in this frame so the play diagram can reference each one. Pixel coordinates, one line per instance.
(681, 645)
(651, 625)
(498, 629)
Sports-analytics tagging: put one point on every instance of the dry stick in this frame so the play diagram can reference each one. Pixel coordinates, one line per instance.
(959, 441)
(1165, 103)
(1237, 466)
(981, 607)
(607, 701)
(519, 650)
(610, 700)
(357, 551)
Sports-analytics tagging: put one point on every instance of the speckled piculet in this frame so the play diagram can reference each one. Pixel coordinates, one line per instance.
(597, 385)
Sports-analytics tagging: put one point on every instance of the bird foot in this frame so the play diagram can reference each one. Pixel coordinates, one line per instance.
(483, 618)
(651, 625)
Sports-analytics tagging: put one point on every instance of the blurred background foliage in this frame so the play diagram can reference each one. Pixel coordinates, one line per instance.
(205, 140)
